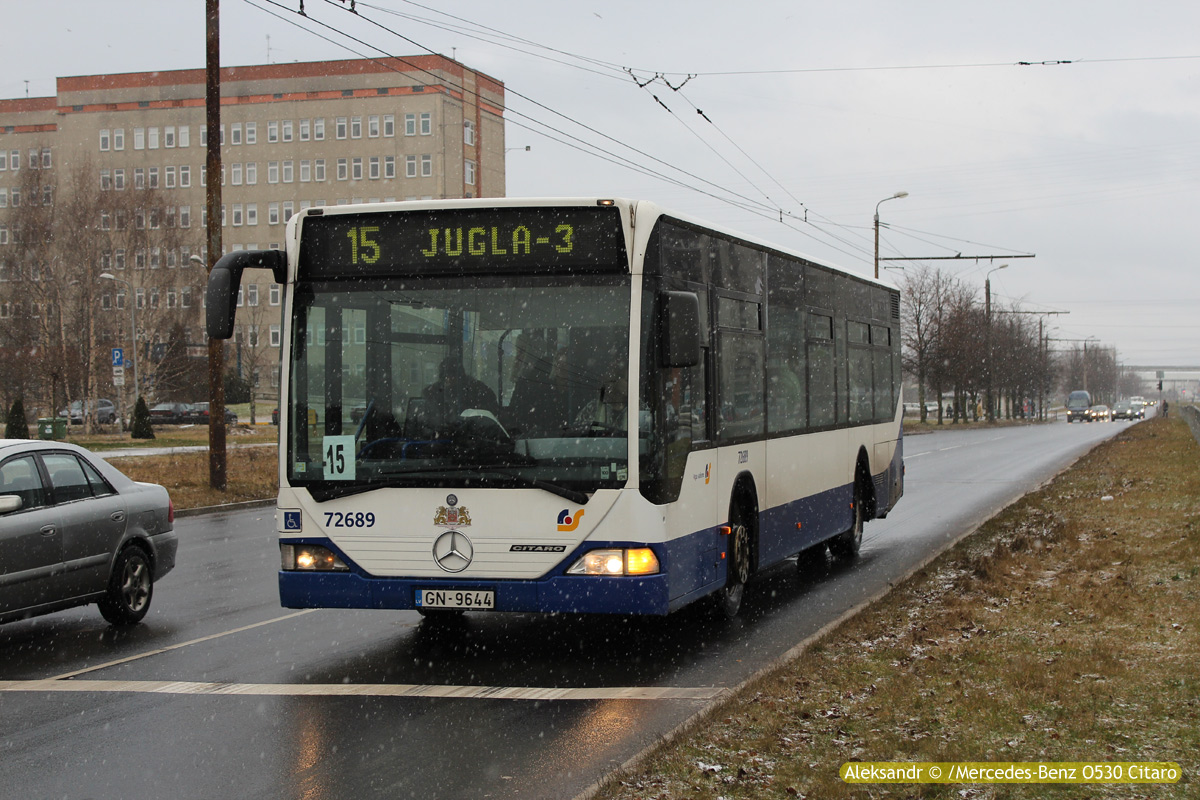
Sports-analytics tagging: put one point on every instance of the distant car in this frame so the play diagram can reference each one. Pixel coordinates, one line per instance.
(199, 414)
(1128, 410)
(1099, 413)
(106, 412)
(1079, 403)
(75, 530)
(168, 413)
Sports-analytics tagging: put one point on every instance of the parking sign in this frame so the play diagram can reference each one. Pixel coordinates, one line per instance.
(118, 357)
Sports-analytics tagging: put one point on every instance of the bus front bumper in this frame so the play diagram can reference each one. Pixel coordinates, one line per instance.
(566, 594)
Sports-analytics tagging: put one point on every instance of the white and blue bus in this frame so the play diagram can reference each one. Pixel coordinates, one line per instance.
(566, 405)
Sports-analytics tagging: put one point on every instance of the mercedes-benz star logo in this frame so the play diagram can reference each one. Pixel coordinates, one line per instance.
(452, 551)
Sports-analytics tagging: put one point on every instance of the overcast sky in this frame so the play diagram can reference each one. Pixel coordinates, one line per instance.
(813, 112)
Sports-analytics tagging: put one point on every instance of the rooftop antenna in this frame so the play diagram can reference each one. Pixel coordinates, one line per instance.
(26, 90)
(268, 48)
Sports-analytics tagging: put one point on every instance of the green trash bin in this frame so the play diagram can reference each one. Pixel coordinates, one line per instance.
(52, 428)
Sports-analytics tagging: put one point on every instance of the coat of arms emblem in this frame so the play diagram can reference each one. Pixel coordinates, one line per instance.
(452, 517)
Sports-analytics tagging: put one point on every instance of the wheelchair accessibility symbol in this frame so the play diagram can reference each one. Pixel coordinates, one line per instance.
(291, 520)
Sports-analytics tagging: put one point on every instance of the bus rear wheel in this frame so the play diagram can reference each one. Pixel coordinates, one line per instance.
(729, 598)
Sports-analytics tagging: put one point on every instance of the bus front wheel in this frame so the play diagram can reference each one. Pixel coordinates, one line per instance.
(845, 546)
(729, 599)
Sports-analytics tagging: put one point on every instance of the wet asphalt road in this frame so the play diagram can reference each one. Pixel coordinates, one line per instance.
(221, 693)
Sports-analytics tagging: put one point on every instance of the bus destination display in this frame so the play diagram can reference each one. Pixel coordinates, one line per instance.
(463, 240)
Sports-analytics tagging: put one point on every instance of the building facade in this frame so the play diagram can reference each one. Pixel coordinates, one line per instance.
(102, 198)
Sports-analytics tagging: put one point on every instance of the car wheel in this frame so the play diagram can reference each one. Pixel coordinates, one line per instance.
(846, 545)
(130, 588)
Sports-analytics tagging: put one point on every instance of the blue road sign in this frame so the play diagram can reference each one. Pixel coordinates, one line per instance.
(118, 357)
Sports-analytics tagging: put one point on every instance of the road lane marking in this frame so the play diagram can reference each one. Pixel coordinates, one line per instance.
(705, 693)
(161, 650)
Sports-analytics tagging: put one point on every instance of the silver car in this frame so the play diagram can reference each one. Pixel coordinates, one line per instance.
(75, 530)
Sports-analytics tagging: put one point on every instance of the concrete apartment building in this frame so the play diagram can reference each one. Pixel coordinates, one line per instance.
(294, 136)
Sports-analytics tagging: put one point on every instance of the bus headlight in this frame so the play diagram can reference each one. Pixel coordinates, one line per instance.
(310, 558)
(632, 561)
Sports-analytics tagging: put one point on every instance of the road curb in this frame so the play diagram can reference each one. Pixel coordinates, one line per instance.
(224, 507)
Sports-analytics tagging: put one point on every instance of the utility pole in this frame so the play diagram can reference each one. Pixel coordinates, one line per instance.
(216, 347)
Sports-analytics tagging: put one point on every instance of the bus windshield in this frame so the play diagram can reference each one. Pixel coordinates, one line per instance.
(459, 381)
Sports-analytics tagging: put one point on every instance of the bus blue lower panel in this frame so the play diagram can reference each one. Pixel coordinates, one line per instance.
(574, 594)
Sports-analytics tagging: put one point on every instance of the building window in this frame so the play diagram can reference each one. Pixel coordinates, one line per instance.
(139, 178)
(139, 138)
(251, 133)
(105, 141)
(426, 123)
(373, 171)
(287, 130)
(251, 173)
(152, 174)
(356, 127)
(273, 213)
(185, 177)
(272, 172)
(356, 169)
(170, 177)
(185, 216)
(236, 175)
(389, 166)
(319, 129)
(119, 180)
(373, 126)
(469, 172)
(252, 213)
(235, 133)
(305, 170)
(288, 171)
(185, 136)
(119, 139)
(340, 128)
(389, 125)
(469, 132)
(410, 124)
(274, 336)
(252, 295)
(305, 130)
(410, 166)
(169, 136)
(427, 166)
(343, 169)
(274, 294)
(106, 182)
(152, 139)
(319, 170)
(273, 131)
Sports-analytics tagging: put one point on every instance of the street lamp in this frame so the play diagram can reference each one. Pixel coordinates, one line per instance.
(108, 276)
(896, 196)
(987, 305)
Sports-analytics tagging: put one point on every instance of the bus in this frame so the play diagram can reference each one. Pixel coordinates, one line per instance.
(565, 406)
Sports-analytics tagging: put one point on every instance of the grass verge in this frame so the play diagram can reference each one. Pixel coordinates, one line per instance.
(252, 473)
(1067, 628)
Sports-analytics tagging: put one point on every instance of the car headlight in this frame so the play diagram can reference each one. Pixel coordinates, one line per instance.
(310, 558)
(616, 561)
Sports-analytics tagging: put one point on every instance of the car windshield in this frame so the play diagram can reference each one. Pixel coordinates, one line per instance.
(455, 381)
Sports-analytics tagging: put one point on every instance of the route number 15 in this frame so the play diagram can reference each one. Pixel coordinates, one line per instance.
(338, 455)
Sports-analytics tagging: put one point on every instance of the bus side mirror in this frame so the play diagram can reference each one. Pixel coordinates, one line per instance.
(220, 298)
(680, 326)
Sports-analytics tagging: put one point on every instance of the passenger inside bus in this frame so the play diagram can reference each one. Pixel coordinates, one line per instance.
(538, 405)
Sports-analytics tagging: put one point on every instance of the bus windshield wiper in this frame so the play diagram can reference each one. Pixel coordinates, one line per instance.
(574, 495)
